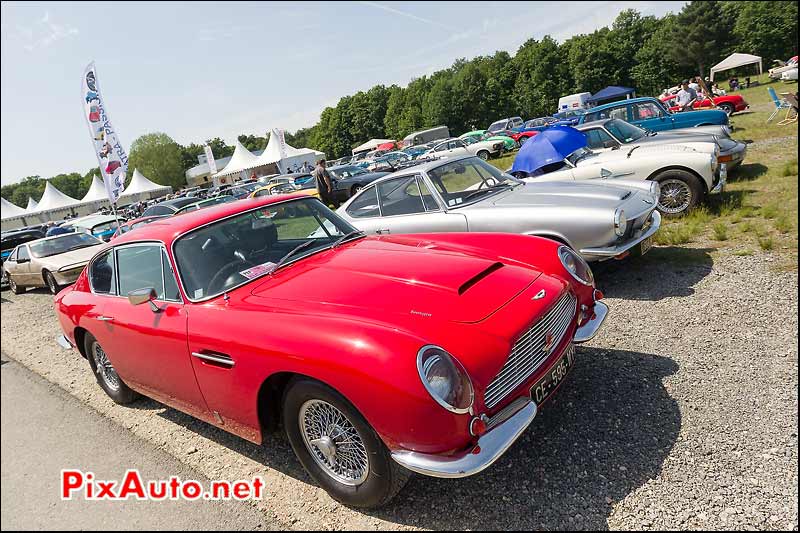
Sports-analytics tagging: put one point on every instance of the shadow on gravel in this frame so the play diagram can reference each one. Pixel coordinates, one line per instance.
(747, 172)
(666, 271)
(604, 435)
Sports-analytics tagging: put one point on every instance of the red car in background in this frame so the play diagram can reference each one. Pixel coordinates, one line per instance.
(379, 355)
(731, 103)
(522, 136)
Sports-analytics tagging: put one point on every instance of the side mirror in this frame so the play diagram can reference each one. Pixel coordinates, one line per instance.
(21, 260)
(610, 144)
(604, 173)
(145, 295)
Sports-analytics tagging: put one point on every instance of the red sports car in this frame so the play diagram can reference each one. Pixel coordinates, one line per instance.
(379, 355)
(731, 103)
(522, 136)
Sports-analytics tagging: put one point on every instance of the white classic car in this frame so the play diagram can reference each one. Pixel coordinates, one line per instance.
(686, 175)
(454, 147)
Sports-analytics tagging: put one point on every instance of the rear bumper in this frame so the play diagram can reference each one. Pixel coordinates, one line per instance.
(607, 252)
(489, 449)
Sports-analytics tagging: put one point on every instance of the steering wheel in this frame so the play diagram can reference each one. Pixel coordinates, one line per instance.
(220, 279)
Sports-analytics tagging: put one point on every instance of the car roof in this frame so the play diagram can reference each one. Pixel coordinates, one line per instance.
(628, 101)
(598, 122)
(169, 228)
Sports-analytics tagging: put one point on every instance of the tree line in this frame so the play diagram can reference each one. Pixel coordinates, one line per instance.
(645, 52)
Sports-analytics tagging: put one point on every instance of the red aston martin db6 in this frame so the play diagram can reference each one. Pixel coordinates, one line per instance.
(380, 356)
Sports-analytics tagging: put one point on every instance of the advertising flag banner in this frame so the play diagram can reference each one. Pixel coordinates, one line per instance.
(212, 164)
(281, 143)
(110, 154)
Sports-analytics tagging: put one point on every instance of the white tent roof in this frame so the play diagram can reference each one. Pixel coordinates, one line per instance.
(371, 145)
(96, 192)
(736, 60)
(10, 210)
(241, 160)
(272, 153)
(31, 204)
(52, 198)
(139, 184)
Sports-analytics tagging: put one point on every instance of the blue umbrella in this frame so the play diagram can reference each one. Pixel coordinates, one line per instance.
(550, 146)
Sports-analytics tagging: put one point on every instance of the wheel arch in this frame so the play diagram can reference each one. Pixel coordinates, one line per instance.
(80, 338)
(693, 172)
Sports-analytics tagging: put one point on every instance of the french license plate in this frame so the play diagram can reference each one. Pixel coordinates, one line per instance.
(645, 245)
(550, 381)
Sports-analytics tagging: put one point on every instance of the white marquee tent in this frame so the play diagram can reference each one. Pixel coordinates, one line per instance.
(241, 160)
(97, 191)
(141, 187)
(291, 156)
(736, 60)
(10, 210)
(52, 198)
(31, 205)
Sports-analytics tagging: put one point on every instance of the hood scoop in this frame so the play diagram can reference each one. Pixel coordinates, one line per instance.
(479, 276)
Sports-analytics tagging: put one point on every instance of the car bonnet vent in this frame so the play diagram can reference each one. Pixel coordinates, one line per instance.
(479, 276)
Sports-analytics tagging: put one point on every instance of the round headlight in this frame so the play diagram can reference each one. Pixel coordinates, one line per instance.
(620, 222)
(445, 379)
(576, 265)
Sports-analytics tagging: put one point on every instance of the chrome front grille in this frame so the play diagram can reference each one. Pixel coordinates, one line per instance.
(531, 350)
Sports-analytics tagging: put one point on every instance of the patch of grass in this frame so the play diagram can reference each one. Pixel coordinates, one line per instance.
(766, 243)
(720, 231)
(783, 224)
(770, 211)
(675, 234)
(789, 169)
(743, 253)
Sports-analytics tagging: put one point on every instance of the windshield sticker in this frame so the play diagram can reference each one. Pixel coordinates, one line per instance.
(258, 270)
(198, 293)
(459, 200)
(451, 202)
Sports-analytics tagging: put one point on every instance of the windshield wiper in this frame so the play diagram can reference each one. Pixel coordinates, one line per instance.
(343, 238)
(293, 251)
(488, 189)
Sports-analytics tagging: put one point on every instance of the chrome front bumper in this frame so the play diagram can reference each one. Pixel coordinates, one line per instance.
(490, 447)
(64, 342)
(589, 330)
(600, 254)
(723, 177)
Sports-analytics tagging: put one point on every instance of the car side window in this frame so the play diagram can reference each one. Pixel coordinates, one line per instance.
(13, 256)
(428, 200)
(22, 253)
(139, 267)
(620, 113)
(400, 196)
(596, 138)
(101, 275)
(171, 291)
(646, 110)
(365, 205)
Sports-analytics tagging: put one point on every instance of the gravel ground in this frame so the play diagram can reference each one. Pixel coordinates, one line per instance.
(681, 414)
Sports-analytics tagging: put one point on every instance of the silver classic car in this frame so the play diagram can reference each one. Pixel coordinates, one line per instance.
(600, 221)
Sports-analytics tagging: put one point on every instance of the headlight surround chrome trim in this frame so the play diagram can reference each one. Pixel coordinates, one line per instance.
(459, 367)
(565, 250)
(620, 222)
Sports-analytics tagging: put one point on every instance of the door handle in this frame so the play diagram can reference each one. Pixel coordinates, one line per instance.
(217, 358)
(105, 318)
(382, 231)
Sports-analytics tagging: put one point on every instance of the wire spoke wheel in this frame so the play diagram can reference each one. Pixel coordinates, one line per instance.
(333, 442)
(104, 367)
(676, 196)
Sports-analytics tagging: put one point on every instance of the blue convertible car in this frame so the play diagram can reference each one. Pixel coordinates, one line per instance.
(651, 114)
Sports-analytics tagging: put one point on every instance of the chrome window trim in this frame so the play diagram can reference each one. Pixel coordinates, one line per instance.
(216, 221)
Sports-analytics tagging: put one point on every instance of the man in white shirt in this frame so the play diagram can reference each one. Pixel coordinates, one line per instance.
(686, 96)
(694, 85)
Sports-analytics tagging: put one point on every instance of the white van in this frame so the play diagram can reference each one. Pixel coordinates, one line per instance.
(424, 136)
(574, 101)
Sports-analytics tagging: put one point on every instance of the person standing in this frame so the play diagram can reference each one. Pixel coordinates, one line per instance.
(686, 96)
(324, 184)
(694, 85)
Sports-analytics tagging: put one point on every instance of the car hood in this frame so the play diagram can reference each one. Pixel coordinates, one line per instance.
(75, 257)
(400, 274)
(562, 193)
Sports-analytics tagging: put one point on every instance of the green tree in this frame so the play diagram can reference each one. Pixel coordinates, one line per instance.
(656, 70)
(541, 75)
(699, 35)
(70, 184)
(629, 31)
(253, 142)
(767, 29)
(159, 158)
(394, 109)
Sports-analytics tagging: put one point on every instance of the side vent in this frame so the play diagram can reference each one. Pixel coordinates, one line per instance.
(475, 279)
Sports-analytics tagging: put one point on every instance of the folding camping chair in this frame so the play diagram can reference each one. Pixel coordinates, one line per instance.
(791, 114)
(780, 103)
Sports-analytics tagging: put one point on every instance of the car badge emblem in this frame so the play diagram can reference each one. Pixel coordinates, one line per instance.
(648, 201)
(549, 339)
(539, 295)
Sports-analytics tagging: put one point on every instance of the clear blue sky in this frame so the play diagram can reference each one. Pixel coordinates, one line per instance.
(206, 69)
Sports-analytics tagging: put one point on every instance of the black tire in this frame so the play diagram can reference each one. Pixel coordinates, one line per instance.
(522, 141)
(483, 154)
(16, 289)
(50, 281)
(119, 392)
(674, 184)
(728, 108)
(385, 477)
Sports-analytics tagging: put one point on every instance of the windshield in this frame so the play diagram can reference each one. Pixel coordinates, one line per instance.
(346, 172)
(625, 132)
(466, 180)
(497, 126)
(63, 244)
(578, 154)
(231, 252)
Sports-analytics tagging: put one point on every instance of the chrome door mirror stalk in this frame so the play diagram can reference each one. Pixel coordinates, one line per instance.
(145, 295)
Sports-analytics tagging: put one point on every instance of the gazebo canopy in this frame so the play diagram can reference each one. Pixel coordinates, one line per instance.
(140, 184)
(371, 145)
(736, 60)
(241, 160)
(611, 92)
(52, 198)
(10, 210)
(97, 191)
(272, 153)
(31, 204)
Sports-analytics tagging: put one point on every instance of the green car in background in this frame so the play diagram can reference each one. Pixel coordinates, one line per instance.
(477, 134)
(508, 143)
